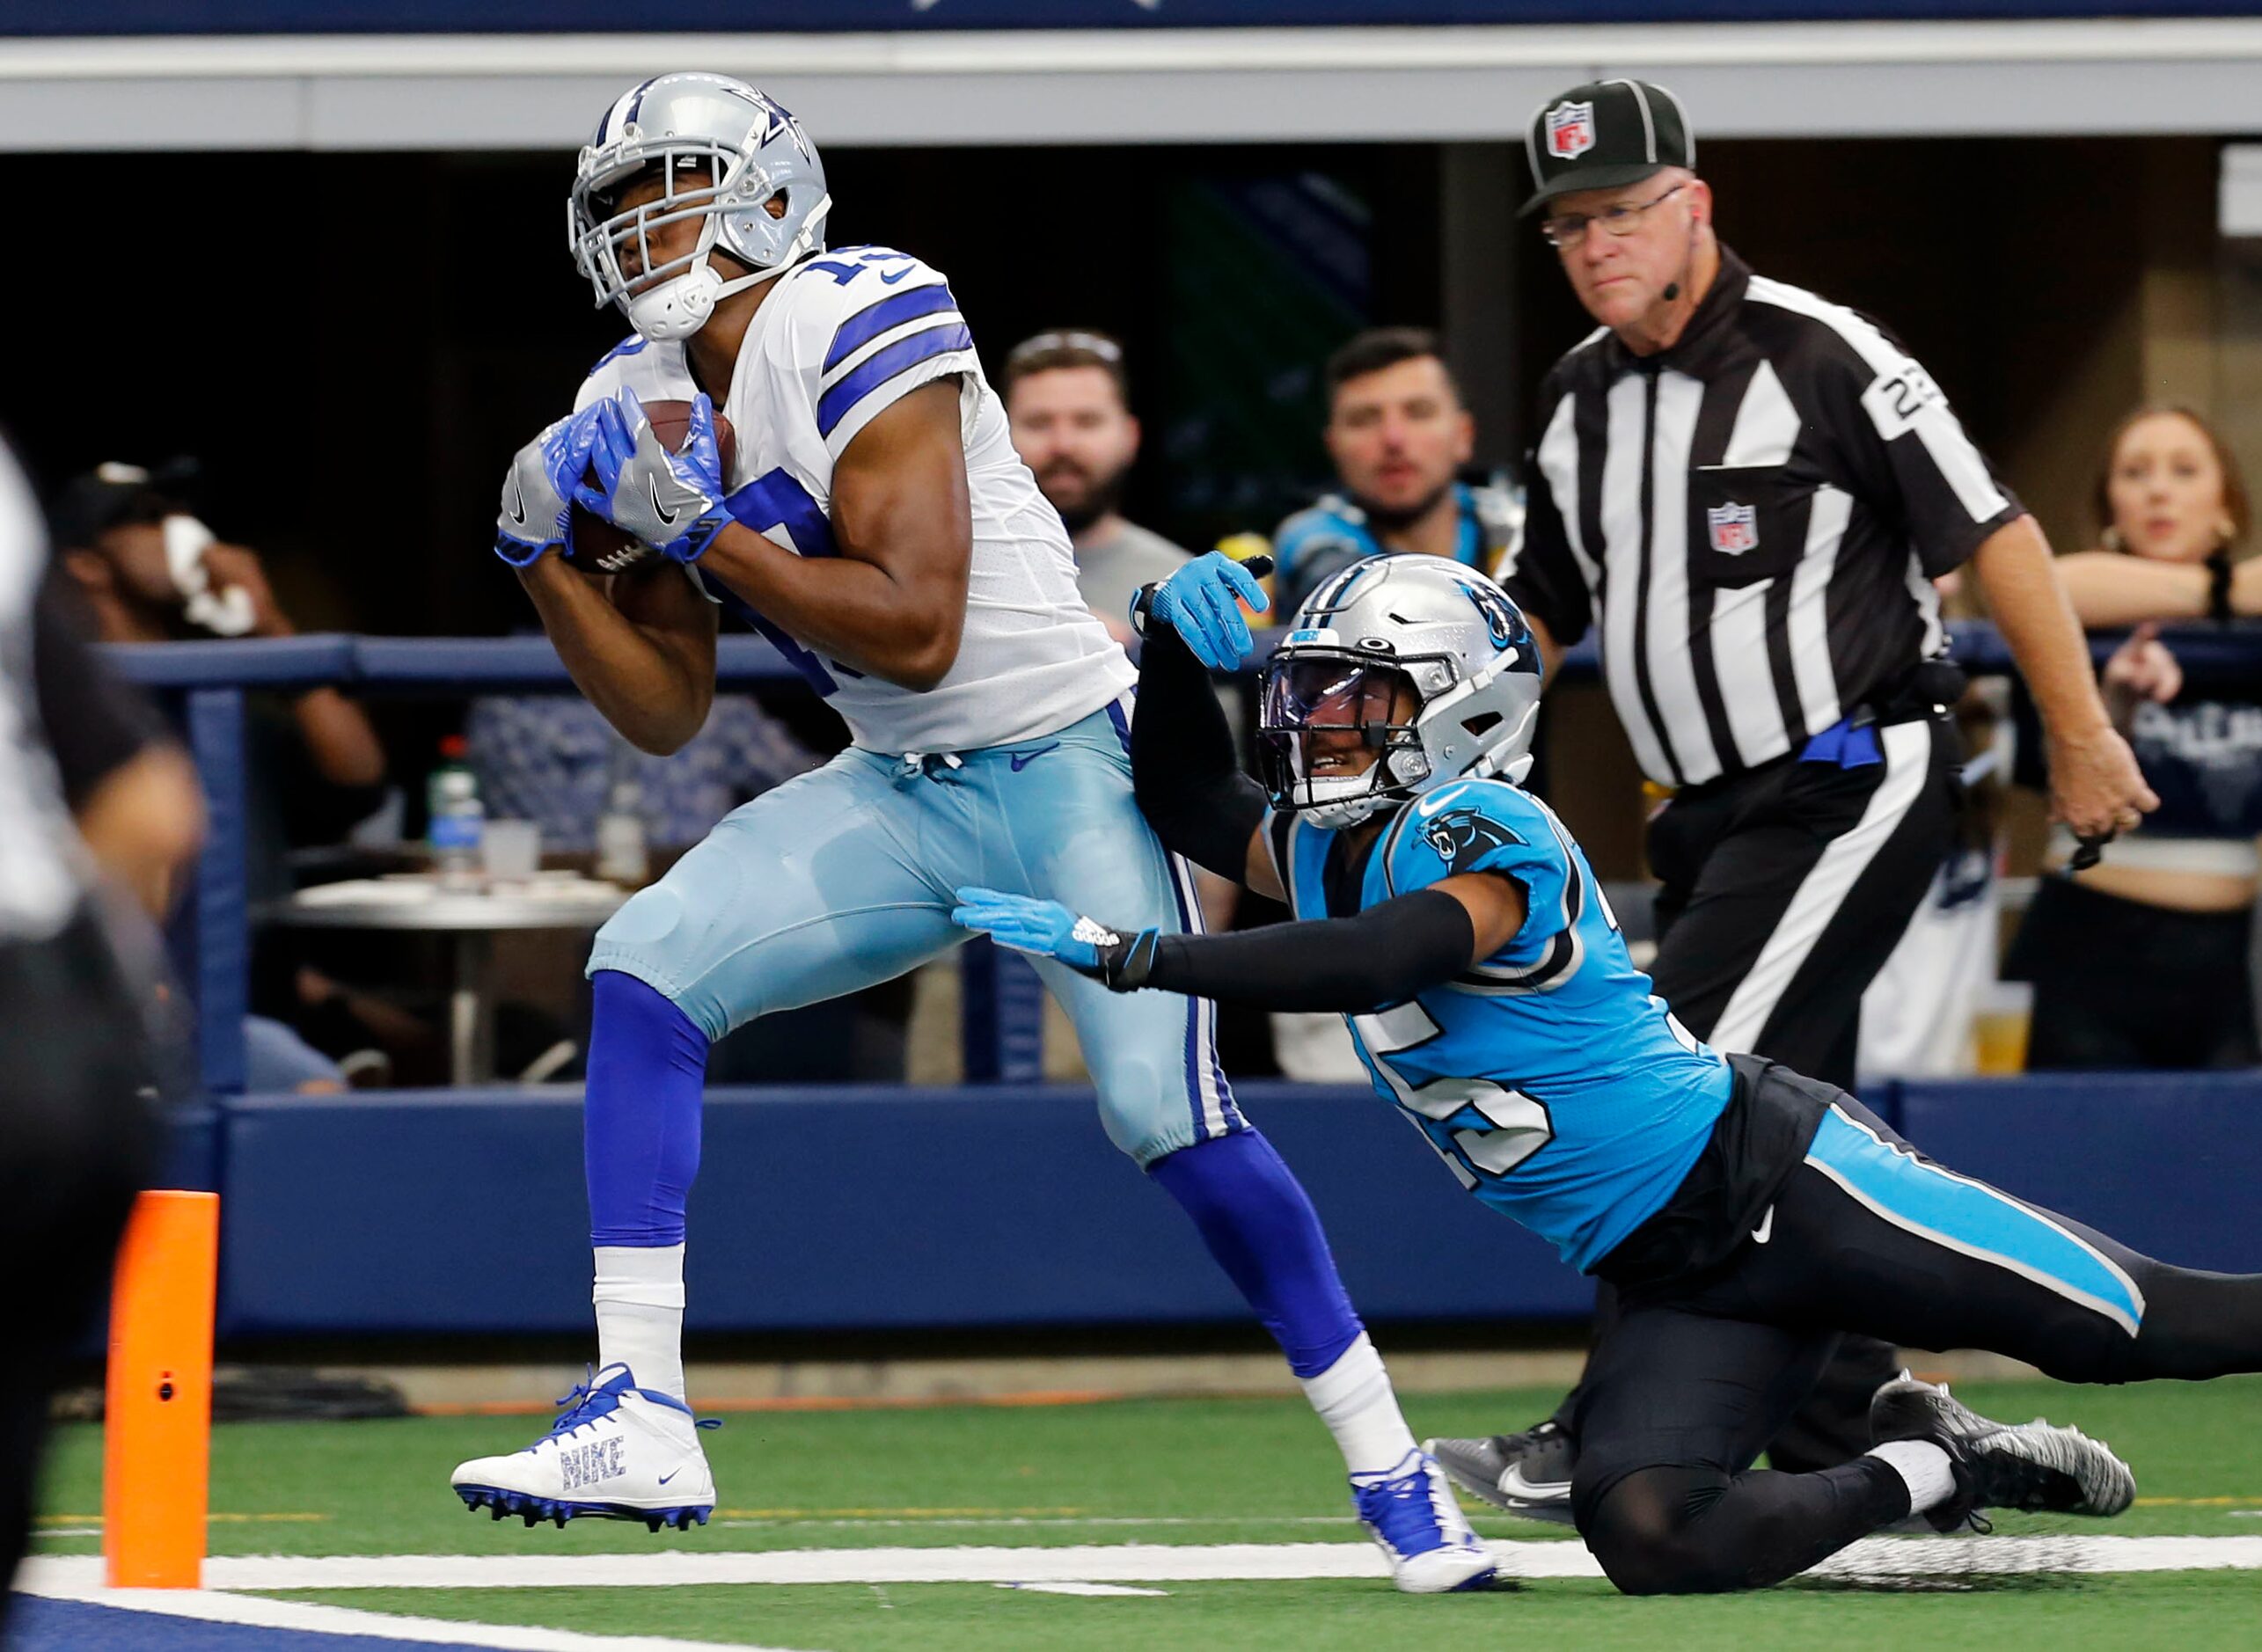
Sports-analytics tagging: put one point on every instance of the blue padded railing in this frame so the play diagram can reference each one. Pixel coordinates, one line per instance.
(1002, 1006)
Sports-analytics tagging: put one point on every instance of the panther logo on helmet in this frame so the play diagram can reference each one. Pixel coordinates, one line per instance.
(1463, 836)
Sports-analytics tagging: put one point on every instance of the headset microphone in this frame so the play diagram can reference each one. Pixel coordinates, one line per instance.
(1673, 291)
(1673, 288)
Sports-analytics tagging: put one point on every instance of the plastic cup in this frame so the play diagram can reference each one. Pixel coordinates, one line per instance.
(511, 850)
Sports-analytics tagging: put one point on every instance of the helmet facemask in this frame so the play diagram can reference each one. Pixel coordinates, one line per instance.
(1334, 694)
(673, 298)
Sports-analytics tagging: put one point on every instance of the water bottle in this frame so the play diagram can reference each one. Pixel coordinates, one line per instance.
(620, 853)
(452, 797)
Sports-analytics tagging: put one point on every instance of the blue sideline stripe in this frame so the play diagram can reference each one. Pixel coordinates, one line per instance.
(38, 1624)
(882, 365)
(868, 324)
(1971, 1219)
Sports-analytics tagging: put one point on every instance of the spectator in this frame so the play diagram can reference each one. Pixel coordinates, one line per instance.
(1398, 436)
(552, 759)
(1070, 406)
(149, 571)
(2143, 960)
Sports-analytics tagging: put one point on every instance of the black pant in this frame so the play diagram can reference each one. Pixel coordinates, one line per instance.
(76, 1145)
(1783, 892)
(1699, 1373)
(2118, 983)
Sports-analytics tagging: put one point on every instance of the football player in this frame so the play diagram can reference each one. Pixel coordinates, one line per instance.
(878, 527)
(1748, 1214)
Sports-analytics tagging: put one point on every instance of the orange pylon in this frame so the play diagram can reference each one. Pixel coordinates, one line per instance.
(157, 1442)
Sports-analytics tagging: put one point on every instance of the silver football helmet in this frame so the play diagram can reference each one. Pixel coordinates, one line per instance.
(724, 151)
(1445, 633)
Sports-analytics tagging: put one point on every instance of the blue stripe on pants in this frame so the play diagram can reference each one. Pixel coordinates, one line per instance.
(1971, 1219)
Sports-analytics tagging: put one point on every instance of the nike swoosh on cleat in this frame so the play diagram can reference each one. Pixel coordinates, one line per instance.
(1020, 760)
(1512, 1484)
(667, 517)
(669, 1475)
(1765, 1228)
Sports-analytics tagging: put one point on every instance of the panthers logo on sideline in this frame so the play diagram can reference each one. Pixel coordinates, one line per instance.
(1463, 836)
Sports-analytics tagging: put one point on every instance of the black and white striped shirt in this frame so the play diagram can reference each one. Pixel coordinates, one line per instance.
(1752, 518)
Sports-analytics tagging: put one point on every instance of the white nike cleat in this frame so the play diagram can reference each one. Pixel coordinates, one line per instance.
(1410, 1513)
(616, 1452)
(1527, 1473)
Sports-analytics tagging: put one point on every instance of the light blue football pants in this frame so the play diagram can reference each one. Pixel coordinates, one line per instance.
(843, 878)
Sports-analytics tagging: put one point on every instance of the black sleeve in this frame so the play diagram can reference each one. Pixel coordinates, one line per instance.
(1539, 570)
(1349, 965)
(1184, 769)
(1907, 455)
(95, 722)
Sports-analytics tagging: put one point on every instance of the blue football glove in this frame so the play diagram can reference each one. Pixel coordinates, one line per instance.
(1201, 603)
(1049, 930)
(538, 490)
(671, 501)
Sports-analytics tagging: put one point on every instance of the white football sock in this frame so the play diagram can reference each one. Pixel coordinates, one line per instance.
(1924, 1467)
(639, 1313)
(1353, 1398)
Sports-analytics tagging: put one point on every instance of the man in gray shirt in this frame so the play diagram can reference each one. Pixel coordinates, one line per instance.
(1065, 394)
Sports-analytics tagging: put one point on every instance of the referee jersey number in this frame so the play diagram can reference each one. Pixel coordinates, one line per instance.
(1519, 1125)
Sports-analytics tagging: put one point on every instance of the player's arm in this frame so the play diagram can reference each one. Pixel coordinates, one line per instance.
(1185, 770)
(893, 604)
(639, 646)
(1385, 955)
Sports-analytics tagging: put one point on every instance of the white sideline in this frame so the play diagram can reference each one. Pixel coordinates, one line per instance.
(80, 1577)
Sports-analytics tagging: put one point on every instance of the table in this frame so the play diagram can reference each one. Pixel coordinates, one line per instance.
(471, 918)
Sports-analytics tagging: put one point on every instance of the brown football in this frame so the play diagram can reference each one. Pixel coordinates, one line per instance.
(593, 545)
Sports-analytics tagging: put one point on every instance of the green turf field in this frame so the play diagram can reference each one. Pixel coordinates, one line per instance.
(1172, 1473)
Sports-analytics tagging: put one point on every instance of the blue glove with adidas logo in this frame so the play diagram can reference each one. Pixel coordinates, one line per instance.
(1049, 930)
(1201, 603)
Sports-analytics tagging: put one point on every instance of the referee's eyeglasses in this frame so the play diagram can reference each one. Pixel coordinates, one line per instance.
(1617, 222)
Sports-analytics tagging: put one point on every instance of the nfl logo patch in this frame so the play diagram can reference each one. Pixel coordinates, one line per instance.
(1735, 529)
(1571, 130)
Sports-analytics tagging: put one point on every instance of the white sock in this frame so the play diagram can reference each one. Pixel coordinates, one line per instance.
(1931, 1481)
(1353, 1398)
(639, 1313)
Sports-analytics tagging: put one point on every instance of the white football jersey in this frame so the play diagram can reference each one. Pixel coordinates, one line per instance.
(846, 335)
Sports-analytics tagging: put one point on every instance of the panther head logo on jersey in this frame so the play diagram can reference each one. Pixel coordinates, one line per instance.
(1463, 836)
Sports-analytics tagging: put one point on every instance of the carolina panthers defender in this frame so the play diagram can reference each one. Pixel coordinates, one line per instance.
(878, 526)
(1748, 1214)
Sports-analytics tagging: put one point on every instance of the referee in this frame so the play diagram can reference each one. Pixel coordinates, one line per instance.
(1747, 491)
(88, 786)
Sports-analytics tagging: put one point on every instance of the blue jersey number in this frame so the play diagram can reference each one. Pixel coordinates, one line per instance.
(845, 266)
(1515, 1126)
(766, 504)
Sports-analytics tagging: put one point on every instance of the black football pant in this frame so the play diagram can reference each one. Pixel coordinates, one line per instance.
(76, 1140)
(1783, 892)
(1865, 1235)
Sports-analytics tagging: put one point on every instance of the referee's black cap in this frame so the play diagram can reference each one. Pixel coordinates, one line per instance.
(1605, 134)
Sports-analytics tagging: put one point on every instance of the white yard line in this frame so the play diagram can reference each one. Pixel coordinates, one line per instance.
(79, 1576)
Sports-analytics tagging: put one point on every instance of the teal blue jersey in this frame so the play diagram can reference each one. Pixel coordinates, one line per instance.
(1549, 1078)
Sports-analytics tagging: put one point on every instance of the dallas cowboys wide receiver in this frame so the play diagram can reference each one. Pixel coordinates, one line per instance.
(878, 526)
(1747, 1215)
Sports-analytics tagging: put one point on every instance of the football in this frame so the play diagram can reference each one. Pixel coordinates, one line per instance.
(593, 545)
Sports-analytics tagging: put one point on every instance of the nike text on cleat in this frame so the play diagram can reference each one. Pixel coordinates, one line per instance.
(616, 1452)
(1410, 1512)
(2030, 1467)
(1527, 1473)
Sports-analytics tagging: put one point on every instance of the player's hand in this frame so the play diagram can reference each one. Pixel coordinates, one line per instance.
(1049, 930)
(672, 502)
(1201, 603)
(2095, 787)
(539, 489)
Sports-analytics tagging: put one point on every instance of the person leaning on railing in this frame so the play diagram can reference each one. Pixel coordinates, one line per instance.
(2143, 961)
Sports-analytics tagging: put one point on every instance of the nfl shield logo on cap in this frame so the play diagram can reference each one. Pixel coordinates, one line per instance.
(1571, 130)
(1735, 529)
